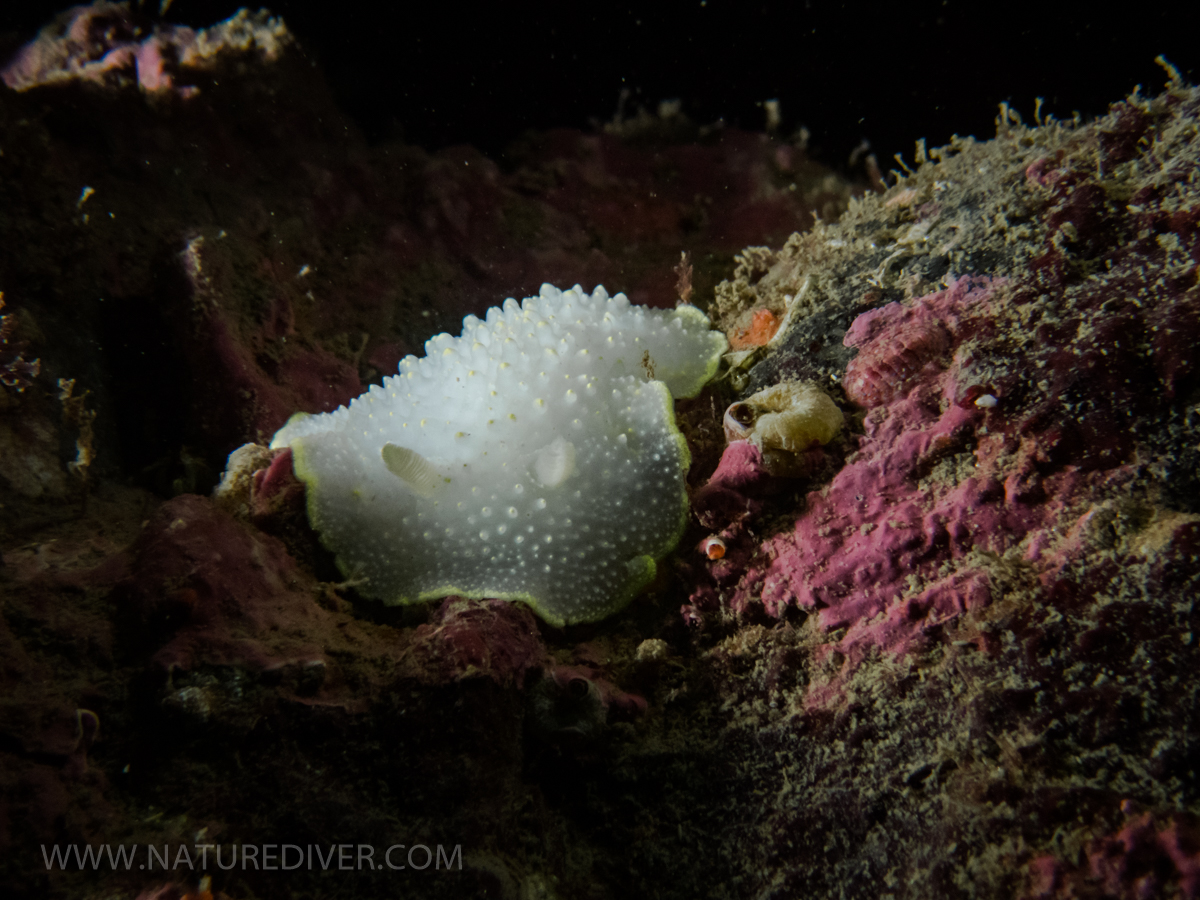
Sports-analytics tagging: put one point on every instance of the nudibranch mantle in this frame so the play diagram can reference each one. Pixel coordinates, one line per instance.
(533, 458)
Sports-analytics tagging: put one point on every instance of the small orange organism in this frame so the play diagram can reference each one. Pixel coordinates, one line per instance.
(763, 326)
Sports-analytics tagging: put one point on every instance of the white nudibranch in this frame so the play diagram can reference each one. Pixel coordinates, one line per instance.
(529, 459)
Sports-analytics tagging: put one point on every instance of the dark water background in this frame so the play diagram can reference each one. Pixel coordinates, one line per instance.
(444, 73)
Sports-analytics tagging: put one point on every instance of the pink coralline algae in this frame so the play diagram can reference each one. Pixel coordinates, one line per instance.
(976, 624)
(275, 478)
(855, 551)
(102, 43)
(735, 490)
(977, 444)
(898, 344)
(472, 639)
(1147, 858)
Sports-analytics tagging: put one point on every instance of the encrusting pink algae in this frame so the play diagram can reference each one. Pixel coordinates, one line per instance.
(992, 588)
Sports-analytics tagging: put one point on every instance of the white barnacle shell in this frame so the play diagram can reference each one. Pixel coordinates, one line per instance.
(784, 421)
(792, 416)
(529, 459)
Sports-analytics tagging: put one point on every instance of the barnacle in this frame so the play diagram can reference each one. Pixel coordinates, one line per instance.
(566, 702)
(783, 421)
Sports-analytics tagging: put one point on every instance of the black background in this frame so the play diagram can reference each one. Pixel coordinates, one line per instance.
(441, 73)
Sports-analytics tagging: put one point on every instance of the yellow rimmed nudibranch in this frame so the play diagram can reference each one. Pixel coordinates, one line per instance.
(534, 458)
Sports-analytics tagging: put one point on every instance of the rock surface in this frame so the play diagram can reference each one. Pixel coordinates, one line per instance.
(953, 656)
